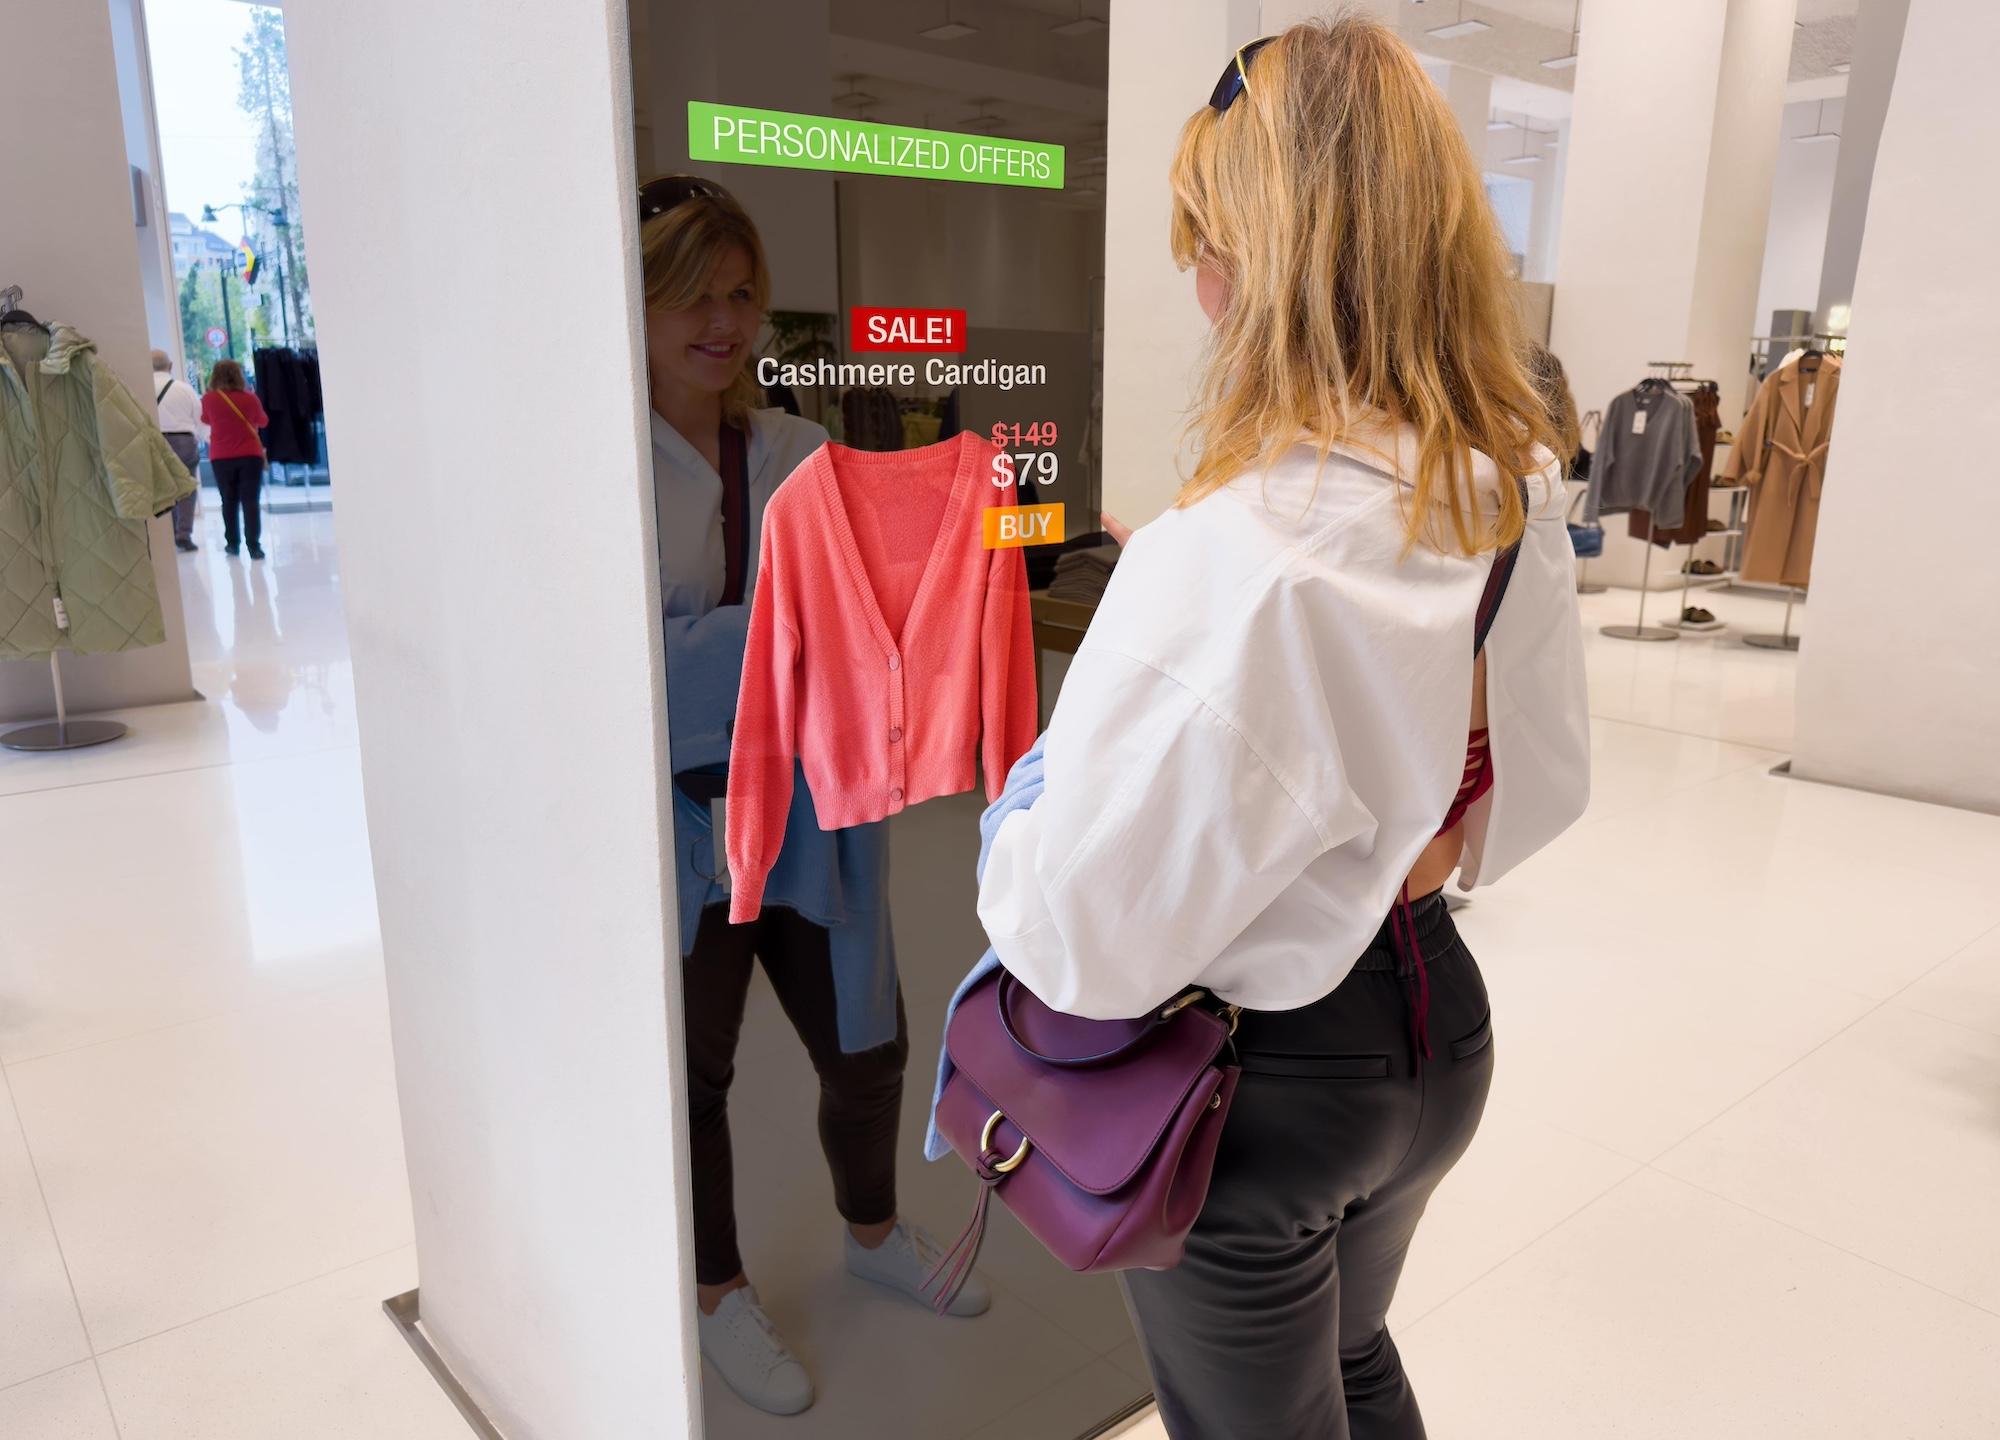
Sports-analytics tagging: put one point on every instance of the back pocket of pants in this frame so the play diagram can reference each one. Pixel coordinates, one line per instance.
(1478, 1040)
(1317, 1067)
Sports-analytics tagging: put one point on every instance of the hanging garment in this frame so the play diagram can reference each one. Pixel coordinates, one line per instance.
(1647, 451)
(889, 649)
(1694, 525)
(83, 466)
(1780, 453)
(288, 385)
(870, 419)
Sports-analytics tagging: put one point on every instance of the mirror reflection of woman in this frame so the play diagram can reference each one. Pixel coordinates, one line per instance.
(824, 936)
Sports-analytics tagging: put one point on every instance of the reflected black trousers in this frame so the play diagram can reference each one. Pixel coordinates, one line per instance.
(860, 1094)
(1275, 1325)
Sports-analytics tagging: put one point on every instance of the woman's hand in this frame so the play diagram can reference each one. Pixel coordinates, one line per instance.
(1117, 529)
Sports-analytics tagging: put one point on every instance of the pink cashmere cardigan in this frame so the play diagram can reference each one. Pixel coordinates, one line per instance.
(888, 648)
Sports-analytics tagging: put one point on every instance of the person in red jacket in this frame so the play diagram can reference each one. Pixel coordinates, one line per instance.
(234, 415)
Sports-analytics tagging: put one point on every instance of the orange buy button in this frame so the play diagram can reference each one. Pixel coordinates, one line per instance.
(1011, 526)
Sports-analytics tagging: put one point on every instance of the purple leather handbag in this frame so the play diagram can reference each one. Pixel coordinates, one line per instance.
(1099, 1135)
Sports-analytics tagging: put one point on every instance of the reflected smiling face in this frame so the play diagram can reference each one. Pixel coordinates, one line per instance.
(704, 346)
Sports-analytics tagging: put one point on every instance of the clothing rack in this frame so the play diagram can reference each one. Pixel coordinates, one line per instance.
(1787, 640)
(63, 733)
(1671, 373)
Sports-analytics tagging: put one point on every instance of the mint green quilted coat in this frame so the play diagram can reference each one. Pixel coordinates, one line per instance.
(83, 466)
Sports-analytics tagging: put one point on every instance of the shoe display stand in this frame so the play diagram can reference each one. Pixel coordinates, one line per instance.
(1674, 372)
(62, 733)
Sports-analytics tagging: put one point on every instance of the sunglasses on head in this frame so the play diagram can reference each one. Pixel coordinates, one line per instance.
(1235, 76)
(657, 197)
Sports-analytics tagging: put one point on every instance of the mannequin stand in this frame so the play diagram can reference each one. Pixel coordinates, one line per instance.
(1786, 641)
(64, 733)
(1641, 630)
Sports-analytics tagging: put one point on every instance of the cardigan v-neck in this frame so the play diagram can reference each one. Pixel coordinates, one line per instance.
(904, 537)
(890, 657)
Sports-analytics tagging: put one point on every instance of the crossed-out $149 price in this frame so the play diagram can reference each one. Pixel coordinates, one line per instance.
(1027, 461)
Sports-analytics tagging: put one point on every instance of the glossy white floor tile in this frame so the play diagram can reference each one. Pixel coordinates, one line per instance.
(1882, 1142)
(1735, 1178)
(1662, 1311)
(66, 1404)
(315, 1362)
(40, 1329)
(201, 1165)
(1965, 989)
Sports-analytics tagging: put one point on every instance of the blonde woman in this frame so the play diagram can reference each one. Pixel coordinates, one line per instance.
(1275, 745)
(824, 937)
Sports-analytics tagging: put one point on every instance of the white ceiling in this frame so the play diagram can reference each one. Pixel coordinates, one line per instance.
(1526, 32)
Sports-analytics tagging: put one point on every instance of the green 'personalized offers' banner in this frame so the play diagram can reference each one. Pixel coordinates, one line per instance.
(738, 135)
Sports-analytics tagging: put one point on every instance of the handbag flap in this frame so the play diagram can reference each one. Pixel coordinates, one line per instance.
(1096, 1125)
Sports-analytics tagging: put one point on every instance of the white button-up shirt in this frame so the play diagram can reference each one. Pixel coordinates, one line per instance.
(1264, 728)
(179, 408)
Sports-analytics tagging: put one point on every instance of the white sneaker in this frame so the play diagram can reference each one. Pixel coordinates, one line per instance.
(905, 1261)
(740, 1341)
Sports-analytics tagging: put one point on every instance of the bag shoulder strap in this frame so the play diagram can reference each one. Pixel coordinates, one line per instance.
(238, 413)
(1496, 584)
(163, 390)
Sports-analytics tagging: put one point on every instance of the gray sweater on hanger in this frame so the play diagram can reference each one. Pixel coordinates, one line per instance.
(1647, 452)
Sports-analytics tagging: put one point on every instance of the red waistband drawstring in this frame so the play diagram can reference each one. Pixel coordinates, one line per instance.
(1403, 930)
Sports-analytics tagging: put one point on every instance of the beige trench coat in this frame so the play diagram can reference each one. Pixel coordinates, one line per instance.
(1780, 452)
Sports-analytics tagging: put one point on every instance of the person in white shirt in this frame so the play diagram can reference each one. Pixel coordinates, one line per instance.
(1275, 744)
(179, 409)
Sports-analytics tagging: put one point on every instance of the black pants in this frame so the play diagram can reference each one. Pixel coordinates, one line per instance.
(860, 1095)
(1273, 1328)
(238, 482)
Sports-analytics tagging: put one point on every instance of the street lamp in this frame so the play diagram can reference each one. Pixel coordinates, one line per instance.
(276, 213)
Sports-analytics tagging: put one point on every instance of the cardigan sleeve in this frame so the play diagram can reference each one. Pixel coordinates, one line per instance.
(766, 736)
(1009, 711)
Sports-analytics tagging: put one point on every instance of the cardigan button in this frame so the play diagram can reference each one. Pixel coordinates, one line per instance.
(896, 795)
(895, 733)
(895, 662)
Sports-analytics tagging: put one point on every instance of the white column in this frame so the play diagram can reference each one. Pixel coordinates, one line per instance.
(498, 564)
(1898, 687)
(1546, 222)
(1736, 203)
(1672, 144)
(67, 237)
(1878, 37)
(1165, 56)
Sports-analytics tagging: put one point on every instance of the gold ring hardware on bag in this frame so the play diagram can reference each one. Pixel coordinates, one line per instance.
(1231, 1013)
(1012, 1162)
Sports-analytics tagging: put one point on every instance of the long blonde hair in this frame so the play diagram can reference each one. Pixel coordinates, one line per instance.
(681, 247)
(1340, 202)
